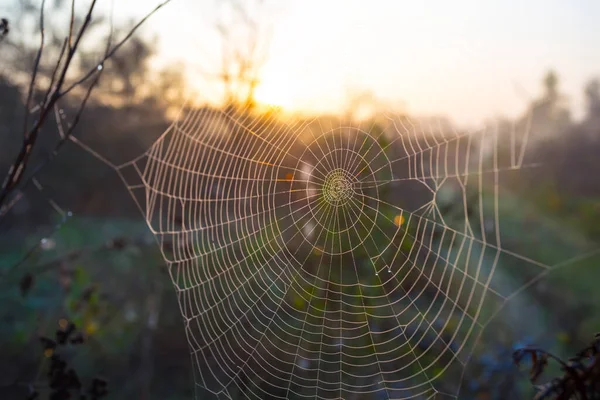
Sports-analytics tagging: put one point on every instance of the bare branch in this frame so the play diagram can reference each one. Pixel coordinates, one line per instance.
(17, 169)
(36, 66)
(71, 24)
(109, 54)
(55, 92)
(54, 71)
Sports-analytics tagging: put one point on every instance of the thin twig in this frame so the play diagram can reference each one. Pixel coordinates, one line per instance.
(55, 92)
(36, 66)
(65, 136)
(114, 49)
(54, 71)
(71, 24)
(16, 171)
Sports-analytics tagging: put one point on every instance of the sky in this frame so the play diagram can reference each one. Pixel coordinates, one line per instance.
(469, 60)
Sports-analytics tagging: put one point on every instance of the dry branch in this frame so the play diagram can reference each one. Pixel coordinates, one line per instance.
(56, 91)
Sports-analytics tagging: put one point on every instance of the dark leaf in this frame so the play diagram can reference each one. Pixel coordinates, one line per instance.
(117, 244)
(73, 379)
(74, 256)
(98, 388)
(537, 366)
(518, 356)
(48, 344)
(77, 338)
(4, 28)
(26, 283)
(99, 382)
(62, 336)
(88, 292)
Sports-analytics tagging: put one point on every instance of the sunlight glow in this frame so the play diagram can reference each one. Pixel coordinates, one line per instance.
(455, 59)
(275, 92)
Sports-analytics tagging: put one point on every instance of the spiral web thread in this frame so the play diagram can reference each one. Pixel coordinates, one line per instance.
(320, 261)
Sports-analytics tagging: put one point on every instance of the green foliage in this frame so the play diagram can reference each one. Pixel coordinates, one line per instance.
(88, 279)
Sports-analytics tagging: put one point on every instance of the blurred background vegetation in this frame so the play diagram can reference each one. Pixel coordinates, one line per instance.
(75, 247)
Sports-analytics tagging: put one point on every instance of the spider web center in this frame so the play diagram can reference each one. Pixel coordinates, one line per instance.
(338, 187)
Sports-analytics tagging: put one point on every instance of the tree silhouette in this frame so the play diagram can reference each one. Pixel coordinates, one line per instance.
(244, 44)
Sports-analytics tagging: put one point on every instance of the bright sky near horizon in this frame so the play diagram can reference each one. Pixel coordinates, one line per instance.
(462, 59)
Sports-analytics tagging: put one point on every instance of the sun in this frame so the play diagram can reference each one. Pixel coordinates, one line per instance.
(275, 92)
(282, 87)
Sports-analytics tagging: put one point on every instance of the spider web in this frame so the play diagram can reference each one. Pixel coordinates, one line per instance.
(315, 260)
